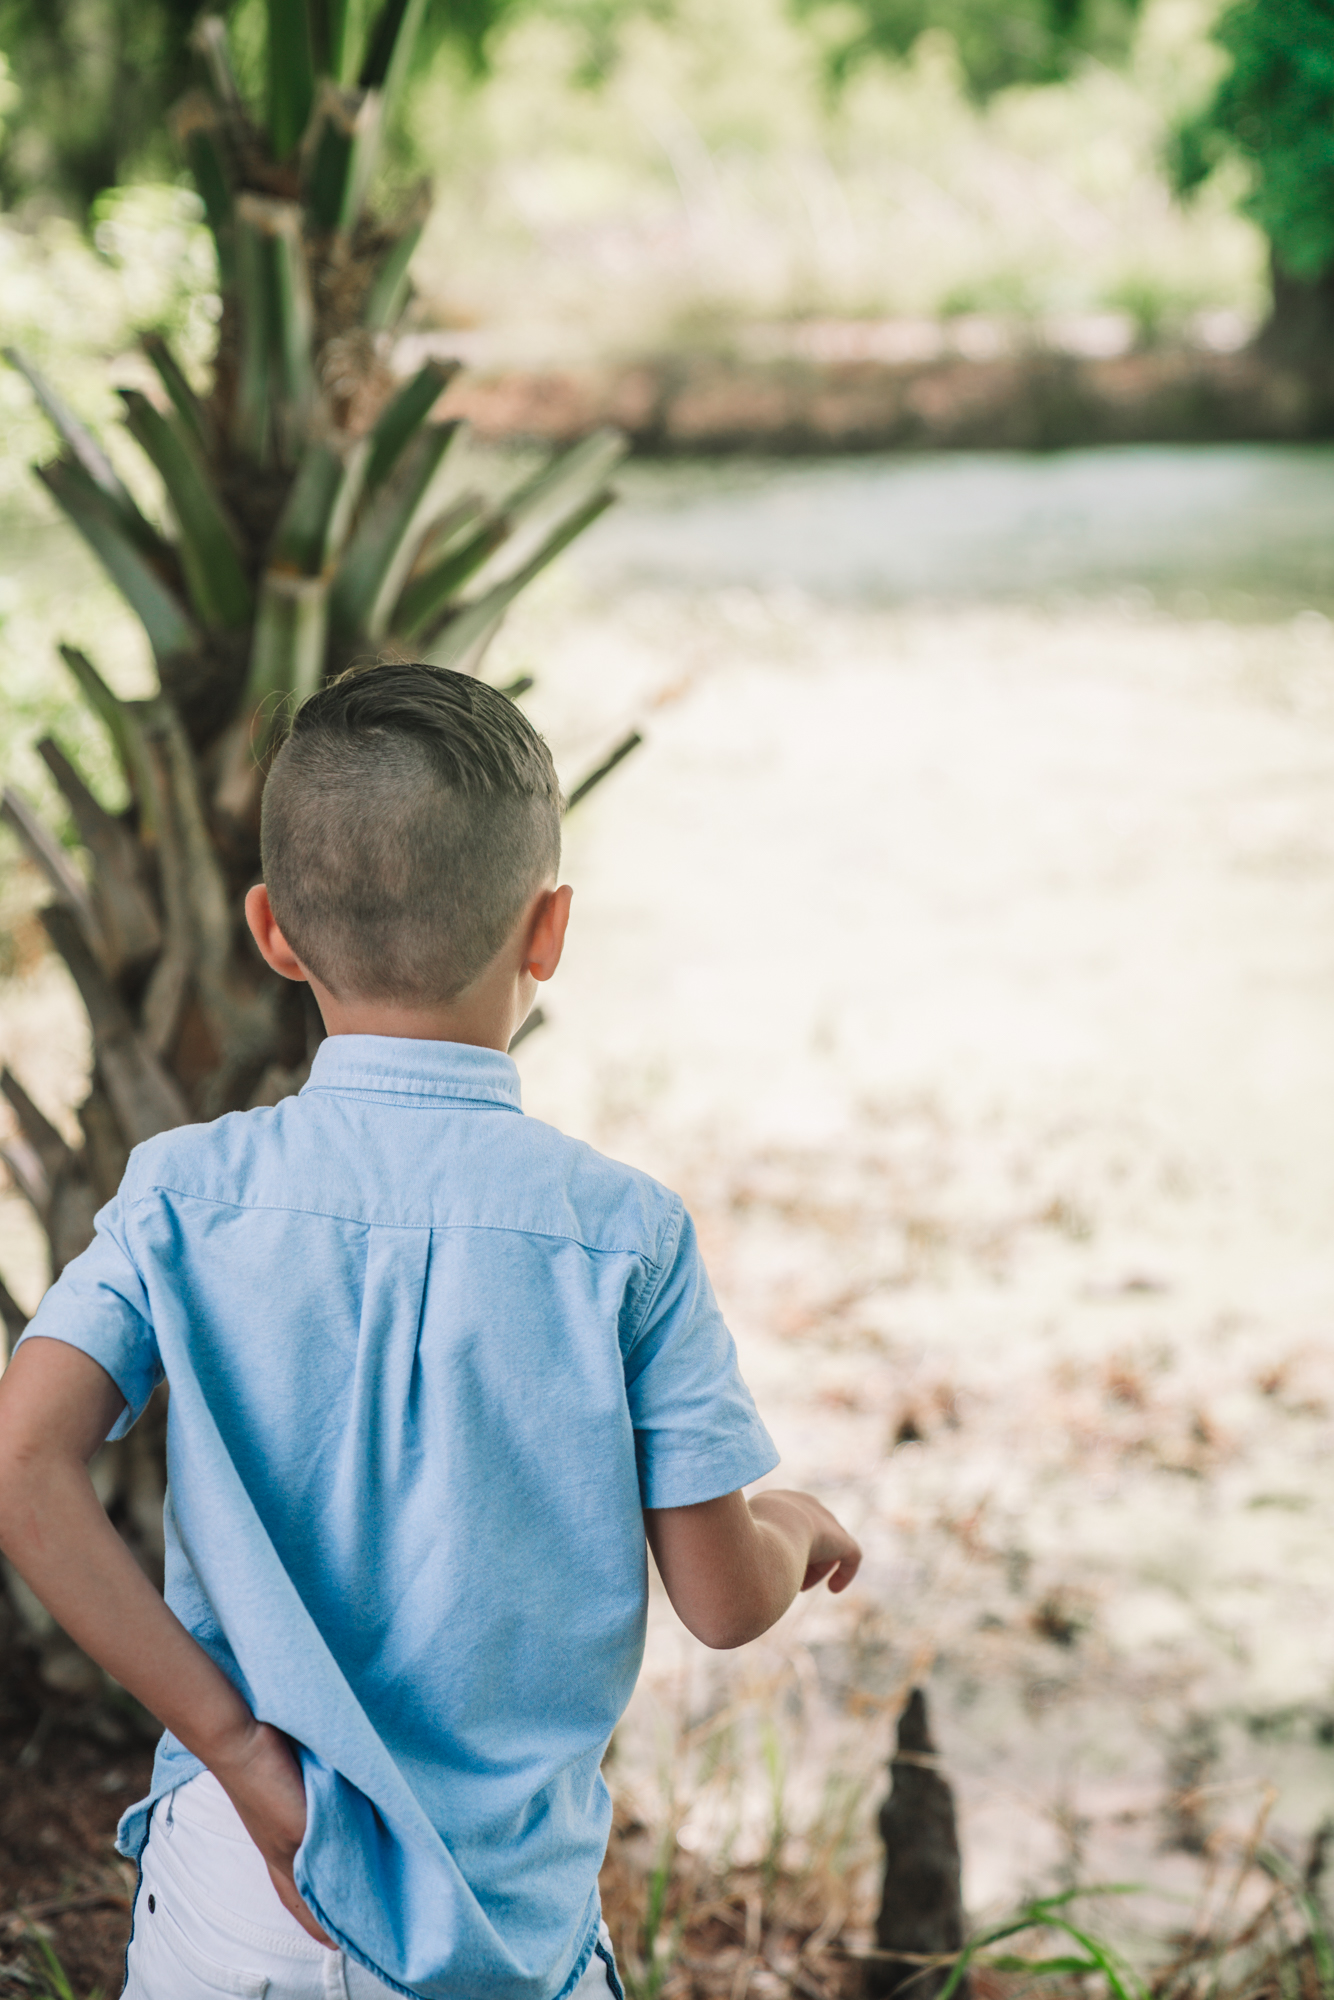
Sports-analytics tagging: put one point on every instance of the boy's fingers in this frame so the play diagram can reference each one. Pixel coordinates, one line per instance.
(846, 1570)
(289, 1897)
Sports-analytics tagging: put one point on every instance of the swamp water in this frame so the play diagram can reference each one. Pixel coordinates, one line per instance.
(961, 944)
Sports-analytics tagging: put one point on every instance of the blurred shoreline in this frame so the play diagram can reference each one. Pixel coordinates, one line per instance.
(848, 386)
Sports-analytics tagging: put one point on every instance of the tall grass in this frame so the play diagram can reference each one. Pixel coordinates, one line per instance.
(733, 1884)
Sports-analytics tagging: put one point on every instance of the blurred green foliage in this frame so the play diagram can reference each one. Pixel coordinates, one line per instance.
(1023, 42)
(1274, 108)
(96, 77)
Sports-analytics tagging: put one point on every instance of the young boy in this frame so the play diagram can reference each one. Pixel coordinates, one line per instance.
(435, 1373)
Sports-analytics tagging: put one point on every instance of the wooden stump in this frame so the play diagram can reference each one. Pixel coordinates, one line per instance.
(921, 1909)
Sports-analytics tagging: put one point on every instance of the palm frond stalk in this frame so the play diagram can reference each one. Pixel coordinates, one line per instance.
(318, 516)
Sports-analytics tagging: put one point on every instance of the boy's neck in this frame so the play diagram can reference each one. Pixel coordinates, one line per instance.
(487, 1016)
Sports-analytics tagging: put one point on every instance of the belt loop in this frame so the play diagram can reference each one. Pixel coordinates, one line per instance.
(335, 1976)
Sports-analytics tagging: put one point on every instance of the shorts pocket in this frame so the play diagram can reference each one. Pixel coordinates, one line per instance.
(603, 1954)
(165, 1965)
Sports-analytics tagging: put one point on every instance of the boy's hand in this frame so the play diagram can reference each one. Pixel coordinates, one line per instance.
(833, 1552)
(262, 1778)
(732, 1568)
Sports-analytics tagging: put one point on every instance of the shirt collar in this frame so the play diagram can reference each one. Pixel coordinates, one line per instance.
(395, 1066)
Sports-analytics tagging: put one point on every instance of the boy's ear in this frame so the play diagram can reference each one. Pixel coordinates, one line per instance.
(273, 946)
(546, 938)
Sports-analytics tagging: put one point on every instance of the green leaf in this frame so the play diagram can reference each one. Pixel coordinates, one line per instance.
(172, 377)
(467, 635)
(557, 490)
(585, 464)
(287, 656)
(389, 288)
(291, 74)
(313, 526)
(158, 608)
(199, 131)
(250, 406)
(603, 770)
(121, 723)
(82, 446)
(150, 544)
(276, 388)
(209, 41)
(428, 595)
(341, 151)
(209, 544)
(404, 415)
(293, 322)
(330, 41)
(389, 53)
(387, 537)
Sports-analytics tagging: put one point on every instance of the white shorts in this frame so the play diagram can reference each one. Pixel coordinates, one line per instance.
(207, 1919)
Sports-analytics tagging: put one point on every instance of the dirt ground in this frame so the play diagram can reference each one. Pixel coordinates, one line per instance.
(68, 1769)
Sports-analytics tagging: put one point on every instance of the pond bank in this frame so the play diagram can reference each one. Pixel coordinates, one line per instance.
(1039, 400)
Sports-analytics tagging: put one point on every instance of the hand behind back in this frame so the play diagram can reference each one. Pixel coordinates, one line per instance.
(262, 1778)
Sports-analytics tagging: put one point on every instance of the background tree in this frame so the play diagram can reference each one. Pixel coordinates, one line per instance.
(1027, 41)
(314, 514)
(1275, 108)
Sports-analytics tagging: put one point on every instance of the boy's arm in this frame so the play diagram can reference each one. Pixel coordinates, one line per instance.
(56, 1407)
(732, 1567)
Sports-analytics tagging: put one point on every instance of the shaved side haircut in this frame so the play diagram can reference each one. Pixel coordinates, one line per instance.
(409, 816)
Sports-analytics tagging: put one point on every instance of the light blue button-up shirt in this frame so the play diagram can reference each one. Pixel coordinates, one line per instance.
(428, 1359)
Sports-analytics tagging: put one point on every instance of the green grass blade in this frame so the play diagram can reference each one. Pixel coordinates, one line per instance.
(403, 416)
(209, 545)
(1308, 1904)
(157, 607)
(1007, 1962)
(58, 1986)
(290, 72)
(386, 539)
(1044, 1914)
(1121, 1981)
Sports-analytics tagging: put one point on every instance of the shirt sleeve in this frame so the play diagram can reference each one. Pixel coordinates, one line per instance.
(697, 1432)
(98, 1304)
